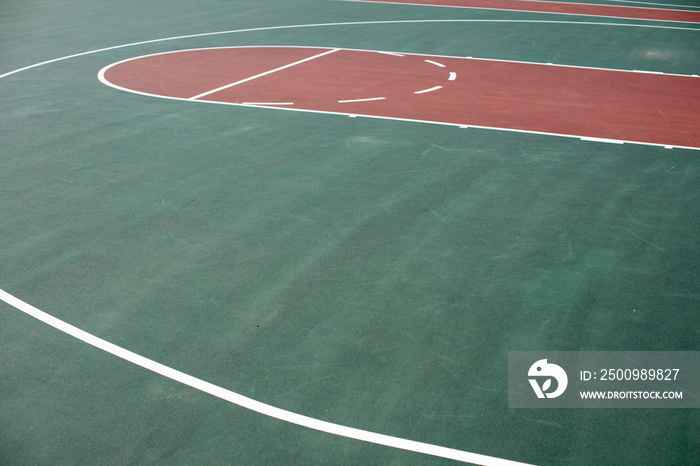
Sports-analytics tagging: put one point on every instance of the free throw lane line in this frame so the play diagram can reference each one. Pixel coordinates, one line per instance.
(249, 403)
(214, 91)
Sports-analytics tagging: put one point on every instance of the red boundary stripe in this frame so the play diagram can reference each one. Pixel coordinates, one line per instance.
(585, 9)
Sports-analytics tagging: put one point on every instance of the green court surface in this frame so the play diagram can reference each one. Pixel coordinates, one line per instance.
(368, 273)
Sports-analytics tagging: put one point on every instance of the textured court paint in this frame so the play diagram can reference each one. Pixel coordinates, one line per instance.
(112, 48)
(583, 9)
(597, 104)
(249, 403)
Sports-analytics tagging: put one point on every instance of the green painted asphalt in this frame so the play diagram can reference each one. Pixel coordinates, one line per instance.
(365, 272)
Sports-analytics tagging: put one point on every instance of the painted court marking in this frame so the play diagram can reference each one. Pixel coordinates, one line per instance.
(425, 91)
(249, 403)
(267, 103)
(339, 24)
(266, 73)
(560, 8)
(665, 5)
(588, 103)
(435, 63)
(371, 99)
(226, 394)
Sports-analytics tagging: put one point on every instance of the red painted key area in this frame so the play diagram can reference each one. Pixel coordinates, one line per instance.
(573, 101)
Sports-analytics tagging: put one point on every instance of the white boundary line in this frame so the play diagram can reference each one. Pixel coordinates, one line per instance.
(218, 89)
(500, 60)
(249, 403)
(409, 3)
(462, 125)
(609, 141)
(350, 23)
(690, 7)
(558, 2)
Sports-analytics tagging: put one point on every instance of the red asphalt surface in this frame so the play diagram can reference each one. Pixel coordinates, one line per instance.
(610, 11)
(581, 102)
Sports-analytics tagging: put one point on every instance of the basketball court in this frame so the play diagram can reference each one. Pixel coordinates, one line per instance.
(311, 231)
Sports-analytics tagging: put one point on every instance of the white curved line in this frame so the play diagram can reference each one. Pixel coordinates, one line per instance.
(249, 403)
(410, 120)
(434, 63)
(691, 7)
(350, 23)
(101, 73)
(467, 7)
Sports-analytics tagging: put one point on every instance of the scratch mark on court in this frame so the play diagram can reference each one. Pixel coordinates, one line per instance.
(638, 222)
(550, 424)
(464, 348)
(687, 294)
(642, 239)
(306, 366)
(299, 387)
(440, 217)
(440, 356)
(495, 390)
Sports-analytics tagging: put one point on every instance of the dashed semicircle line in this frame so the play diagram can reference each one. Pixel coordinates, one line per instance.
(369, 99)
(435, 63)
(425, 91)
(452, 77)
